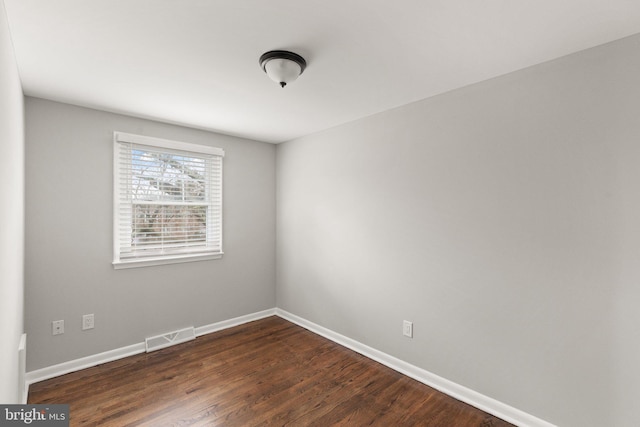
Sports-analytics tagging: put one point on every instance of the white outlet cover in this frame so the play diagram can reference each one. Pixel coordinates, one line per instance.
(87, 322)
(57, 327)
(407, 329)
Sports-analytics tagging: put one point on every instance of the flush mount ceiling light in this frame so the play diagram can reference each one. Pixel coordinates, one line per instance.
(282, 66)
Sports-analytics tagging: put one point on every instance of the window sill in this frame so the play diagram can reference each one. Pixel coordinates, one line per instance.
(176, 259)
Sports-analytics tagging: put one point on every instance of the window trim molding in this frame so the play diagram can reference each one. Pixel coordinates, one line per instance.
(117, 262)
(166, 143)
(166, 260)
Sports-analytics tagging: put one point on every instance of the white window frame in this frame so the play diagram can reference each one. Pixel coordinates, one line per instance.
(123, 199)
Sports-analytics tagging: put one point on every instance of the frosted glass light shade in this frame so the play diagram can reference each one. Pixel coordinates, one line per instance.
(282, 71)
(282, 67)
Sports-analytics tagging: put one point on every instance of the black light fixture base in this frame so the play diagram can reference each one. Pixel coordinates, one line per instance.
(283, 54)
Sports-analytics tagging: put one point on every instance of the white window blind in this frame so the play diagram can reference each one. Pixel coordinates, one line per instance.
(167, 201)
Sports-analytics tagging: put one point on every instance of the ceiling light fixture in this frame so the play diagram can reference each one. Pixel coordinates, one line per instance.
(282, 66)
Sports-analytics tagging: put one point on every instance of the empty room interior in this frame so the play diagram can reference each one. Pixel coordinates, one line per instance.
(444, 191)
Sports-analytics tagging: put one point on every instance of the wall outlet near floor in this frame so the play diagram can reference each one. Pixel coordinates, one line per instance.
(57, 327)
(87, 322)
(407, 329)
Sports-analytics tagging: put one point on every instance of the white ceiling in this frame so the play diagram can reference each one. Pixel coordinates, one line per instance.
(195, 62)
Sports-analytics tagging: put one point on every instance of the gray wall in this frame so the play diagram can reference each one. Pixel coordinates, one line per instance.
(501, 218)
(69, 173)
(11, 216)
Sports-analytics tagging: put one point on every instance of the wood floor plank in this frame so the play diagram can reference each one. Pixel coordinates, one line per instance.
(264, 373)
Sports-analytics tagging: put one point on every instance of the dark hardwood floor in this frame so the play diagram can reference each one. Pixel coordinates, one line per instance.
(264, 373)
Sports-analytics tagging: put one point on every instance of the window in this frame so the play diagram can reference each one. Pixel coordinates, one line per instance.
(167, 201)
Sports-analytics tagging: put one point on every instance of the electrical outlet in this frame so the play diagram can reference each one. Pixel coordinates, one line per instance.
(407, 329)
(57, 327)
(87, 322)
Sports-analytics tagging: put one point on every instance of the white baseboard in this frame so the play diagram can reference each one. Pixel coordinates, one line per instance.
(83, 363)
(120, 353)
(226, 324)
(457, 391)
(22, 369)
